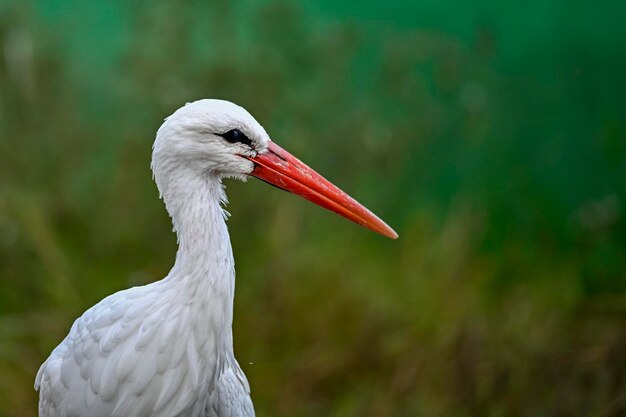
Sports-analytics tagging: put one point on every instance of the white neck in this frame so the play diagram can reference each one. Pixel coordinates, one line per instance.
(204, 272)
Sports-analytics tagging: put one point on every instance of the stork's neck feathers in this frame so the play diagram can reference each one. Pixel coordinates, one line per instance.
(204, 268)
(199, 222)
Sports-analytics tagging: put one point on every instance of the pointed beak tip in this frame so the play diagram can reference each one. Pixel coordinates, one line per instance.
(389, 233)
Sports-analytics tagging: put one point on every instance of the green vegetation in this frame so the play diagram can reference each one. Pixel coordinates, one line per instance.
(493, 138)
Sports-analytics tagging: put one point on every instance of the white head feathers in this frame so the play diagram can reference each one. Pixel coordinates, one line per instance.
(194, 142)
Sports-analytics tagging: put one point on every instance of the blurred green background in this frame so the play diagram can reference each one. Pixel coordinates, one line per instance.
(491, 135)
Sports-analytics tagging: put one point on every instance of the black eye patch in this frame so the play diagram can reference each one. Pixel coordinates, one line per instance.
(236, 136)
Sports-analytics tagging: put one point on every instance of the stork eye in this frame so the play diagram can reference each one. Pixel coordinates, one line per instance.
(236, 136)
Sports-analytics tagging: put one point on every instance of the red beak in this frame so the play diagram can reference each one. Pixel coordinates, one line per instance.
(281, 169)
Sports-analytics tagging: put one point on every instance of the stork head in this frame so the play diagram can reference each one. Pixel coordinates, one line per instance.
(208, 137)
(216, 138)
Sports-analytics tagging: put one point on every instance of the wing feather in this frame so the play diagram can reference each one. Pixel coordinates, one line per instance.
(129, 356)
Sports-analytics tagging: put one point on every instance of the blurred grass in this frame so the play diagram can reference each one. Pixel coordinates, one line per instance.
(496, 147)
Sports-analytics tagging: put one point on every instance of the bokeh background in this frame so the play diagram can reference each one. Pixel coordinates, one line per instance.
(491, 135)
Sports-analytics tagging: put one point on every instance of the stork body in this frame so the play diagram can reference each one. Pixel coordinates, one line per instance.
(166, 349)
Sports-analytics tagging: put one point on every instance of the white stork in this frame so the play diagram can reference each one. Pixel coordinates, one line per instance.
(166, 349)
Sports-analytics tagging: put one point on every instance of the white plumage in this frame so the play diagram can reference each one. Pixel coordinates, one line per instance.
(166, 349)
